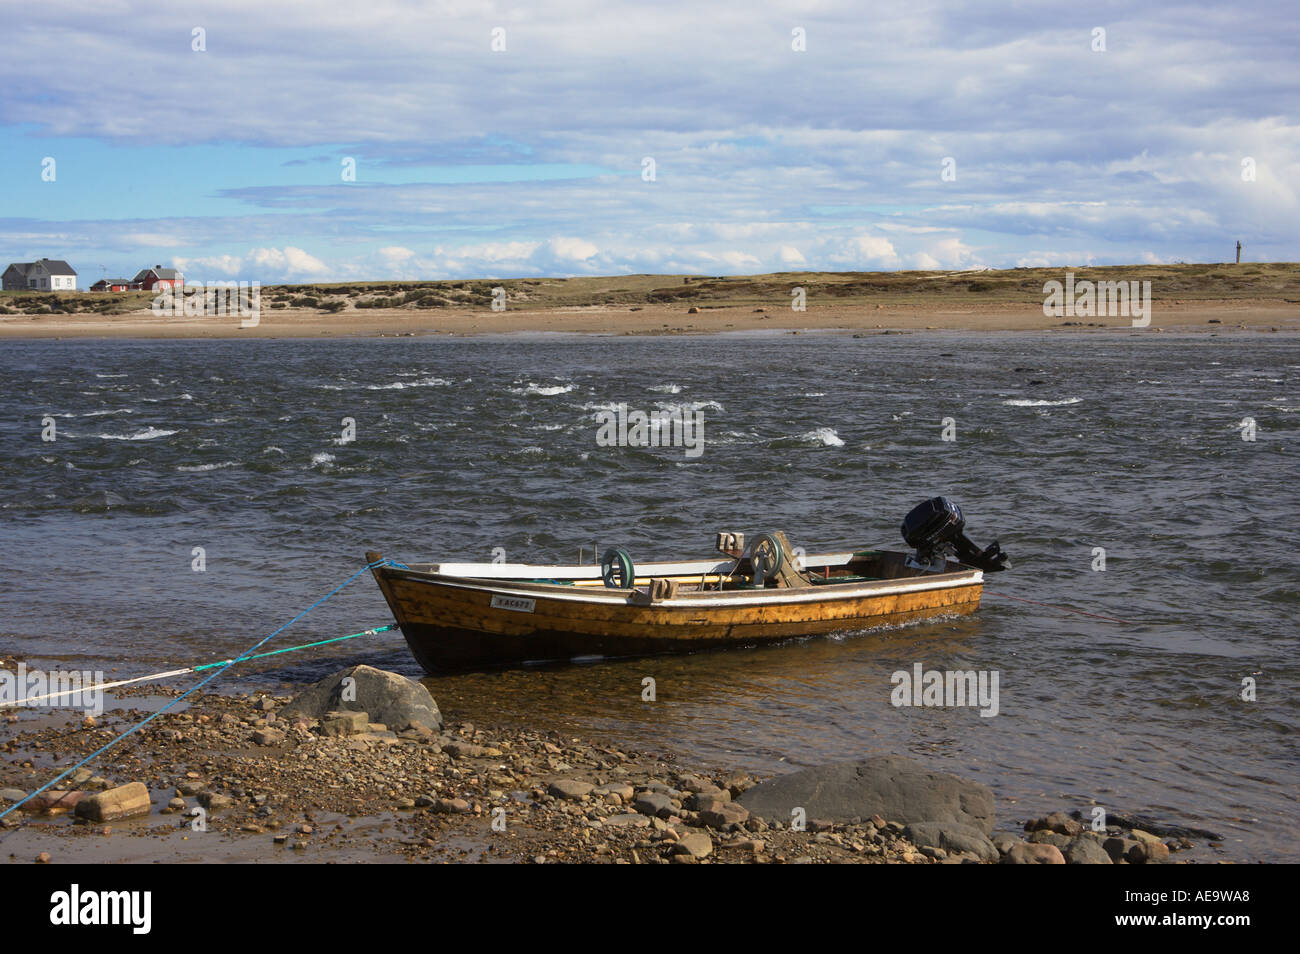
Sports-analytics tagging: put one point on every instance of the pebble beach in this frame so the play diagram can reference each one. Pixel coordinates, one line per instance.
(251, 778)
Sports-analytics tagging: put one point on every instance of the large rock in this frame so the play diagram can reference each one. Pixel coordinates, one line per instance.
(655, 804)
(215, 801)
(1148, 853)
(952, 838)
(125, 801)
(1086, 851)
(1033, 854)
(387, 697)
(1045, 837)
(268, 736)
(1004, 842)
(572, 789)
(1117, 848)
(1058, 822)
(896, 788)
(723, 815)
(53, 802)
(624, 791)
(695, 844)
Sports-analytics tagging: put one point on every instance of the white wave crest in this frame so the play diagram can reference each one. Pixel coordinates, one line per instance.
(544, 390)
(825, 436)
(147, 434)
(398, 385)
(688, 406)
(202, 468)
(1018, 402)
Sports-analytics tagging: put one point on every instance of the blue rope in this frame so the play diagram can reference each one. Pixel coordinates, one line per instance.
(194, 688)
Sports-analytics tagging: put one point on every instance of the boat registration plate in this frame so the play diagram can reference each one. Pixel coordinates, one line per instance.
(516, 603)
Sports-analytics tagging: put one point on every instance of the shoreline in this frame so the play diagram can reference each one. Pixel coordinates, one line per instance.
(274, 786)
(1213, 317)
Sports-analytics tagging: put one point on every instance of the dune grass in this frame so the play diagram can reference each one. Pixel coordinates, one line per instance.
(1279, 280)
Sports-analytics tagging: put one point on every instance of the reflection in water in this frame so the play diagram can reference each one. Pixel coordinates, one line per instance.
(748, 708)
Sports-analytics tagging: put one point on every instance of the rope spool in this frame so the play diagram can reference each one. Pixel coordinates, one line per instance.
(617, 569)
(767, 557)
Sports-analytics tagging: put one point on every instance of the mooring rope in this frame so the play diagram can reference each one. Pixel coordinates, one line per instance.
(99, 687)
(224, 665)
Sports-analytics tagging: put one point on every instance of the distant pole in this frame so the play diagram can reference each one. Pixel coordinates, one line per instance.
(1238, 251)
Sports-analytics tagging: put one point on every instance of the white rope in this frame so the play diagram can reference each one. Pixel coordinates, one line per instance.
(180, 672)
(101, 686)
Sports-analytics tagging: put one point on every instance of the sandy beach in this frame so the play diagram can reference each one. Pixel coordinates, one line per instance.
(1221, 317)
(1185, 298)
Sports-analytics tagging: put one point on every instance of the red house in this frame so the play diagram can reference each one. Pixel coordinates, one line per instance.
(150, 279)
(111, 285)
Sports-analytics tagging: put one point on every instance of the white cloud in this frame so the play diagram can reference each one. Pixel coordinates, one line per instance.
(289, 262)
(259, 264)
(570, 249)
(867, 251)
(739, 260)
(222, 264)
(1048, 259)
(152, 239)
(953, 253)
(765, 159)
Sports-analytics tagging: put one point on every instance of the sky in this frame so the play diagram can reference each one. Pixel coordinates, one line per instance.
(495, 141)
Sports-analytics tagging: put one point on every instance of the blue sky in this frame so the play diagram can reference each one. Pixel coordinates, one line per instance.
(474, 162)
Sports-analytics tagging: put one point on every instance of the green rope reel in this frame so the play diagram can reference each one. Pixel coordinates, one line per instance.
(767, 557)
(616, 569)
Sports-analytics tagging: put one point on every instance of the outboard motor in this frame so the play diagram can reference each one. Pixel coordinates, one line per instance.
(935, 528)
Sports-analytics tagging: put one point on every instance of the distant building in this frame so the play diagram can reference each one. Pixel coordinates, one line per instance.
(158, 277)
(44, 274)
(111, 285)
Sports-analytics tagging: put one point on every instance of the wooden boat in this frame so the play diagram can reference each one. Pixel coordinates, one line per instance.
(458, 615)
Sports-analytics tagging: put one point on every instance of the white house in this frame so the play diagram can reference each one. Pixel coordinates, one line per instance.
(44, 274)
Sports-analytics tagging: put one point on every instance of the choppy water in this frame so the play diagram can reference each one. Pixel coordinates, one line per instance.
(1131, 443)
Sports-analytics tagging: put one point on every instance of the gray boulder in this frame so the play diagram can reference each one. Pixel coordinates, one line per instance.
(1004, 842)
(952, 838)
(655, 804)
(572, 789)
(1086, 851)
(896, 788)
(1045, 837)
(388, 697)
(1117, 848)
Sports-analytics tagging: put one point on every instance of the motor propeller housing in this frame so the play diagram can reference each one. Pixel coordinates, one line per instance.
(935, 527)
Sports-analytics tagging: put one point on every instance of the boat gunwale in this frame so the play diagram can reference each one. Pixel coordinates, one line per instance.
(527, 572)
(825, 592)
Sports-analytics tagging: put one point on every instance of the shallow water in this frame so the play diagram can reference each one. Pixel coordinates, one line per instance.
(1131, 443)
